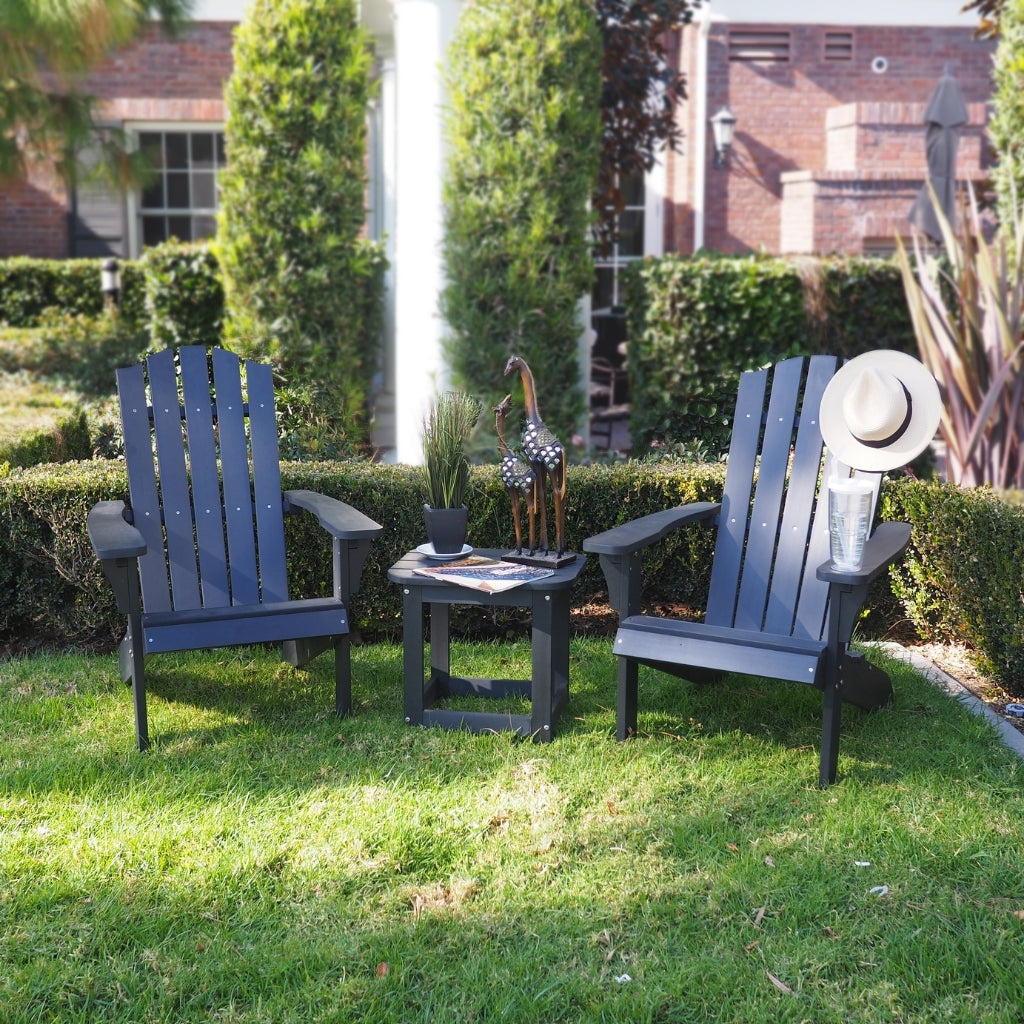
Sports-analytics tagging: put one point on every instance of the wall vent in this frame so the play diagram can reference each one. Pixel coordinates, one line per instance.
(762, 47)
(838, 46)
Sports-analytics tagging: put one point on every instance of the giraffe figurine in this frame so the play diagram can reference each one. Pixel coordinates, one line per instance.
(519, 480)
(546, 455)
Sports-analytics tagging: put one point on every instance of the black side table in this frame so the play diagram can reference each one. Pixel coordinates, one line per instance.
(548, 689)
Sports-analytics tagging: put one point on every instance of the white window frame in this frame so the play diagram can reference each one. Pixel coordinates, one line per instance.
(134, 129)
(653, 208)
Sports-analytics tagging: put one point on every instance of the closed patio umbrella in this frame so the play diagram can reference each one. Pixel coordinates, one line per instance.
(945, 113)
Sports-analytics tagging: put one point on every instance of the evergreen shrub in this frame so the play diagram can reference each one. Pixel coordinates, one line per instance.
(523, 127)
(184, 295)
(298, 281)
(696, 323)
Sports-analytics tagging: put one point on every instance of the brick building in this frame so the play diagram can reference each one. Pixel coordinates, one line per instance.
(828, 152)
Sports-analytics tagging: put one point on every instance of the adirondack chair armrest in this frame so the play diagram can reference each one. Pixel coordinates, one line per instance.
(111, 535)
(620, 549)
(628, 538)
(337, 518)
(881, 549)
(352, 534)
(118, 546)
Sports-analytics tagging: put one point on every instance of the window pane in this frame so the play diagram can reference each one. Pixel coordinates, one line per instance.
(153, 196)
(180, 228)
(154, 230)
(631, 233)
(176, 145)
(203, 226)
(202, 151)
(204, 191)
(604, 289)
(151, 143)
(633, 189)
(177, 190)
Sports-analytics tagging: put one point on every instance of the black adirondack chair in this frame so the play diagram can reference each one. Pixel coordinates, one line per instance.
(775, 607)
(198, 560)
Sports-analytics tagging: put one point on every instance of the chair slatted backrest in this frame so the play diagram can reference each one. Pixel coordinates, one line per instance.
(773, 531)
(204, 479)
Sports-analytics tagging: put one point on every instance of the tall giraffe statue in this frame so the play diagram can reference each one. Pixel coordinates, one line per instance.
(545, 454)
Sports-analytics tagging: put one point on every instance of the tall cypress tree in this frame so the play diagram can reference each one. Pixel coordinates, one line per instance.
(293, 197)
(524, 133)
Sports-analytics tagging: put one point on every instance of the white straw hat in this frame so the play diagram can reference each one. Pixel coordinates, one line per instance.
(880, 411)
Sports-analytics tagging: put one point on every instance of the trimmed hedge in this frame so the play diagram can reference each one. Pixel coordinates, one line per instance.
(29, 287)
(696, 323)
(961, 579)
(52, 591)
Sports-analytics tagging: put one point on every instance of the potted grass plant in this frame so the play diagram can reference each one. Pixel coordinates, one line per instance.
(446, 432)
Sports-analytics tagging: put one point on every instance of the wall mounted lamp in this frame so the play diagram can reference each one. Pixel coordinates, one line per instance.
(722, 126)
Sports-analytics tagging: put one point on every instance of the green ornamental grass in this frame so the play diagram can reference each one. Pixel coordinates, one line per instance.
(268, 862)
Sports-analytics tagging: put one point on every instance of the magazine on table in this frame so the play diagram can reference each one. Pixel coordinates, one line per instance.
(490, 575)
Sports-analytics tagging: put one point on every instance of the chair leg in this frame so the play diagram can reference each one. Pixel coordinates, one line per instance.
(831, 722)
(132, 657)
(343, 675)
(626, 712)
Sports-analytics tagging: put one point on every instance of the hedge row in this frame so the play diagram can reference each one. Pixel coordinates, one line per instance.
(52, 591)
(696, 323)
(963, 579)
(29, 287)
(960, 580)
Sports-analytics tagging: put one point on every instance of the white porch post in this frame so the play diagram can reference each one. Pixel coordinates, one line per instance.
(423, 29)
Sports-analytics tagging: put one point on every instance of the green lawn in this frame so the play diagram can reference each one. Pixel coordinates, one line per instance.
(267, 862)
(27, 405)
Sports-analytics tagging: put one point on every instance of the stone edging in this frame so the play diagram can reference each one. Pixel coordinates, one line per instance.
(1012, 737)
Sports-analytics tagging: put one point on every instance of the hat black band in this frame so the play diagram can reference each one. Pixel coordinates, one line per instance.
(900, 430)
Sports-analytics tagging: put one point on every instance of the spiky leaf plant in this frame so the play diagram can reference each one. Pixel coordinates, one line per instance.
(446, 431)
(968, 320)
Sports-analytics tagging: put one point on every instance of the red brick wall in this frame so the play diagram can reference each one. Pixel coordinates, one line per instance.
(782, 109)
(157, 79)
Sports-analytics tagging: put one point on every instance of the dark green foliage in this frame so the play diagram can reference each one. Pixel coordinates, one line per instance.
(184, 295)
(77, 351)
(962, 578)
(696, 323)
(30, 287)
(299, 284)
(52, 590)
(524, 145)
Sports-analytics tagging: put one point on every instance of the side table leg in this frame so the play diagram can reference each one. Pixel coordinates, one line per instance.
(547, 637)
(440, 647)
(412, 653)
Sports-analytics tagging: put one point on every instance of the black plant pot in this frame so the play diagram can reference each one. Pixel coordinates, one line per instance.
(446, 528)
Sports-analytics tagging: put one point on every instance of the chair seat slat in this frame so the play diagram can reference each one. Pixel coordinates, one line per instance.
(175, 500)
(266, 475)
(796, 554)
(142, 490)
(735, 513)
(234, 452)
(206, 497)
(772, 474)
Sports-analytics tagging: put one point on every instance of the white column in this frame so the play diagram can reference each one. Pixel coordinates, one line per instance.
(423, 29)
